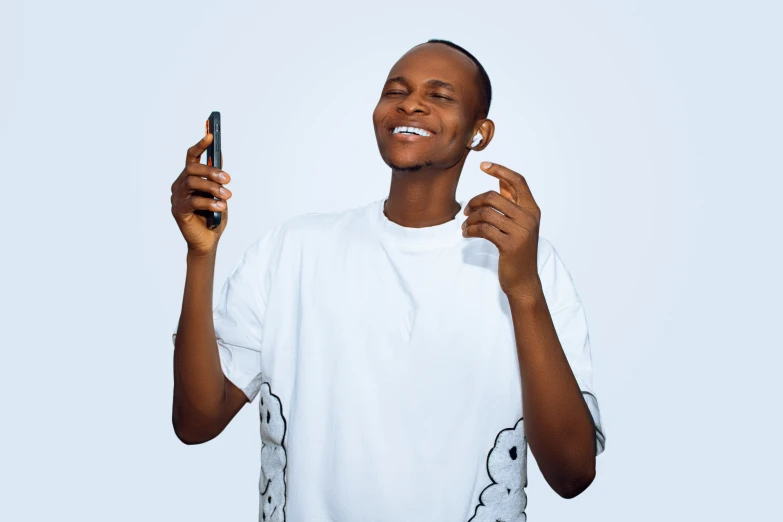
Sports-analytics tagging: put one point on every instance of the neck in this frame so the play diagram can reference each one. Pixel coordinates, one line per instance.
(424, 198)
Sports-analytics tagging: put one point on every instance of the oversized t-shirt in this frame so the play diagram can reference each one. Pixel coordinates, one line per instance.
(385, 366)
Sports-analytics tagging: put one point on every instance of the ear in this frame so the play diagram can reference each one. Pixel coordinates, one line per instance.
(487, 130)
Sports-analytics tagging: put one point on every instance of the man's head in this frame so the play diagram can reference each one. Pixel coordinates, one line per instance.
(442, 89)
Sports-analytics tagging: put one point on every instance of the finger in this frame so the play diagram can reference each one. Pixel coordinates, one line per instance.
(196, 184)
(195, 202)
(195, 152)
(520, 191)
(493, 199)
(205, 171)
(491, 217)
(486, 231)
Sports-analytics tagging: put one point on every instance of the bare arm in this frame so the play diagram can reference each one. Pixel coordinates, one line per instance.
(558, 423)
(205, 401)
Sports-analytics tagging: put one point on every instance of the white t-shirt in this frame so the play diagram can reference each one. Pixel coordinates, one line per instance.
(386, 367)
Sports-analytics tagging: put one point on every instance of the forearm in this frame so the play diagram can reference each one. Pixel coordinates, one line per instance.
(199, 382)
(558, 424)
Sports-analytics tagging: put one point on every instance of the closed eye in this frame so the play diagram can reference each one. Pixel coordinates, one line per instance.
(389, 93)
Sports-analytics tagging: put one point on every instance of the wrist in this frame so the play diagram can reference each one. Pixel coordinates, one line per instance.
(201, 257)
(529, 295)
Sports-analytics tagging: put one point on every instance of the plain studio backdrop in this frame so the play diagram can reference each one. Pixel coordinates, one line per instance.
(649, 133)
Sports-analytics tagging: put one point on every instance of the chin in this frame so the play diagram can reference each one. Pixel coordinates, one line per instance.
(407, 164)
(405, 168)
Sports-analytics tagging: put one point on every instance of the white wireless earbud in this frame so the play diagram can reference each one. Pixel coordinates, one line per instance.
(477, 139)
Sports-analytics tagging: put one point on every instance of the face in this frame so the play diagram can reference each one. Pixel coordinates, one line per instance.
(434, 88)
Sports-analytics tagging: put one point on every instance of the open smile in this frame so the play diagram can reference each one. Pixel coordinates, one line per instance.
(404, 133)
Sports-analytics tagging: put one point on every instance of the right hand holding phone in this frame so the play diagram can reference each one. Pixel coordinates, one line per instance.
(185, 200)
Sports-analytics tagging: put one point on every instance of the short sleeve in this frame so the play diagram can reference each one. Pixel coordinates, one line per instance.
(568, 316)
(239, 315)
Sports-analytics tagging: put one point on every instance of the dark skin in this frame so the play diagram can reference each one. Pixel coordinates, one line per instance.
(426, 170)
(425, 174)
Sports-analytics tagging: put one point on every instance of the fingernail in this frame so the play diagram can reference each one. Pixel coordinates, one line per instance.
(222, 176)
(464, 224)
(485, 164)
(223, 192)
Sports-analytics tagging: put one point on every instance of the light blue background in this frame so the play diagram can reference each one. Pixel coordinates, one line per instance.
(649, 133)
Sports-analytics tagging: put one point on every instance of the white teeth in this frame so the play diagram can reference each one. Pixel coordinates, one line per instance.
(420, 132)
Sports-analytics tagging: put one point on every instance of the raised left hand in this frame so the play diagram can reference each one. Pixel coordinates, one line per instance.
(514, 232)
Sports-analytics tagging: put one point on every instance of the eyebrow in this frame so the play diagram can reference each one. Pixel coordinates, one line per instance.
(434, 82)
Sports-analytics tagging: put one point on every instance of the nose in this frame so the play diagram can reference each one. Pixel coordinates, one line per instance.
(412, 104)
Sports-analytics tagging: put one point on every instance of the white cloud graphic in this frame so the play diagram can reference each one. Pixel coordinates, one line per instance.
(504, 500)
(273, 457)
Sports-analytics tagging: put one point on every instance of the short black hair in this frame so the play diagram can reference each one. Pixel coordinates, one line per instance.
(485, 87)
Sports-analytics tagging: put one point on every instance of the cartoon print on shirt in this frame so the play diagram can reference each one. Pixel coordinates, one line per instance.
(505, 500)
(273, 457)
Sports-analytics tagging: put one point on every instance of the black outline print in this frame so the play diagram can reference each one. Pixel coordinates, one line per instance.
(494, 483)
(261, 514)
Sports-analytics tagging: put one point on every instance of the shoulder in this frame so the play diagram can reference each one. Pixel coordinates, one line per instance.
(319, 225)
(319, 221)
(301, 229)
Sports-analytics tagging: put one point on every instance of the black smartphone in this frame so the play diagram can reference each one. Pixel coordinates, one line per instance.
(213, 160)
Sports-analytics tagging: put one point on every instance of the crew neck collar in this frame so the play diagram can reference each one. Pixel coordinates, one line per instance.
(423, 238)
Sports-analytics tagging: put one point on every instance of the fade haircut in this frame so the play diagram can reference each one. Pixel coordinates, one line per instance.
(485, 87)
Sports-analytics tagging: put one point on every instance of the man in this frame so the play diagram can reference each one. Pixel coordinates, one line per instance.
(394, 347)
